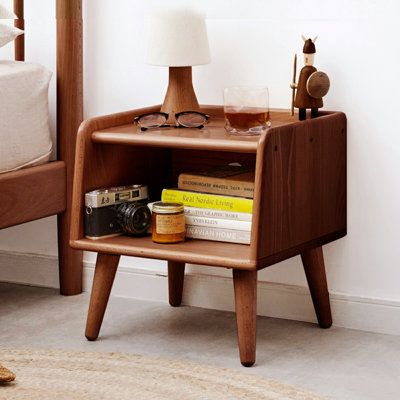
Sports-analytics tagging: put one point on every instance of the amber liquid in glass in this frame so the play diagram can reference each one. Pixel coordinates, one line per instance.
(246, 118)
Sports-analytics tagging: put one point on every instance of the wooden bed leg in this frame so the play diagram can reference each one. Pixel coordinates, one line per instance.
(245, 284)
(314, 267)
(69, 118)
(176, 276)
(104, 274)
(69, 260)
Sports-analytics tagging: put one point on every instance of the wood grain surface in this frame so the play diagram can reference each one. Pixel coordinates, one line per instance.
(245, 285)
(180, 94)
(300, 193)
(192, 161)
(69, 10)
(314, 267)
(104, 274)
(204, 252)
(32, 193)
(212, 137)
(303, 98)
(69, 117)
(300, 199)
(176, 276)
(38, 181)
(98, 166)
(19, 42)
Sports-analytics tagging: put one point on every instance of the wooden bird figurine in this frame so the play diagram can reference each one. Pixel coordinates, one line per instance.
(312, 85)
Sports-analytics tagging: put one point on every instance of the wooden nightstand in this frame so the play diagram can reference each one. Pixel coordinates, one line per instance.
(299, 203)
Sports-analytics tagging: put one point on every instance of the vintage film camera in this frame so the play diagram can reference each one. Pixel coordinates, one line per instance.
(116, 210)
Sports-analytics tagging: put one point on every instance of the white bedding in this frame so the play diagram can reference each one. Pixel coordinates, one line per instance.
(24, 119)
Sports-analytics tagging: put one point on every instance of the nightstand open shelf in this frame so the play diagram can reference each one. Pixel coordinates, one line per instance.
(299, 202)
(191, 251)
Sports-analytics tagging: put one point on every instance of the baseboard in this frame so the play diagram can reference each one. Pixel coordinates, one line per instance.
(29, 269)
(214, 292)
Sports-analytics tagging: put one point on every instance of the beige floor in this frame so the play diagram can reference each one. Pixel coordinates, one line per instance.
(338, 363)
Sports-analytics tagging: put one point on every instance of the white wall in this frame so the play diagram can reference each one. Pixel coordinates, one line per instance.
(254, 41)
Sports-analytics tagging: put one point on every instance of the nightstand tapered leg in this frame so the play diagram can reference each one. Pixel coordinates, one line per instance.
(176, 276)
(104, 274)
(314, 267)
(245, 284)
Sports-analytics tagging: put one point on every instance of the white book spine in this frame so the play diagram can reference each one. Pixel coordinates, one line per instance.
(218, 223)
(217, 234)
(211, 213)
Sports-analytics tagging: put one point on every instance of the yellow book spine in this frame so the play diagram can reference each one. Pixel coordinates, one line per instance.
(203, 200)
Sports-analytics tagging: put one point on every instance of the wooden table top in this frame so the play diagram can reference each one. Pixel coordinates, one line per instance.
(212, 137)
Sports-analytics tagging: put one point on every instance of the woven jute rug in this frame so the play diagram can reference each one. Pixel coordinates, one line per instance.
(62, 375)
(6, 375)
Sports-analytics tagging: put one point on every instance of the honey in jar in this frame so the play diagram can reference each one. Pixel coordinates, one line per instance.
(168, 222)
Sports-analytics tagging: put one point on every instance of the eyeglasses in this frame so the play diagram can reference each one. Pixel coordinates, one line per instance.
(185, 119)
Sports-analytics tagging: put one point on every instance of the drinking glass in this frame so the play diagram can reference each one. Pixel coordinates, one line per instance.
(246, 110)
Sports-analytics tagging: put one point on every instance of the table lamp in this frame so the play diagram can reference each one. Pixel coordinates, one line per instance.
(178, 40)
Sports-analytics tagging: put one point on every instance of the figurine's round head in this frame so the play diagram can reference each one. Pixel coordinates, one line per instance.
(309, 50)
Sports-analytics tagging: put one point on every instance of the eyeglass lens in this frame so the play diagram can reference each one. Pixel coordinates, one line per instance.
(191, 120)
(152, 120)
(185, 119)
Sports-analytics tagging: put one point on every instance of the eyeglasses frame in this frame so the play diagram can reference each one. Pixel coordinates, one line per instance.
(166, 115)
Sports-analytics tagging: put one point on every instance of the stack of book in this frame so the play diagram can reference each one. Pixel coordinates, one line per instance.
(218, 203)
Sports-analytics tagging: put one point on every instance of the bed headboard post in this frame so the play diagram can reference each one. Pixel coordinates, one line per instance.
(19, 44)
(69, 117)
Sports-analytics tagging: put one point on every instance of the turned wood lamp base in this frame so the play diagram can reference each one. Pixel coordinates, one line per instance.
(180, 93)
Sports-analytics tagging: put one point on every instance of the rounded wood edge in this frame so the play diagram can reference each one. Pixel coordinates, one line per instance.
(173, 143)
(343, 116)
(81, 244)
(91, 338)
(110, 120)
(276, 258)
(247, 364)
(259, 173)
(325, 325)
(50, 166)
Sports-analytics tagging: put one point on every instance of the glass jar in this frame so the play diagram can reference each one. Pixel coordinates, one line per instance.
(168, 222)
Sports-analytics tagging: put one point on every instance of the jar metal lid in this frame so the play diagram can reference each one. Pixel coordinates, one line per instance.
(167, 208)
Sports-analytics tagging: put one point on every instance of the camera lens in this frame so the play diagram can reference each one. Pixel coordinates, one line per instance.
(134, 218)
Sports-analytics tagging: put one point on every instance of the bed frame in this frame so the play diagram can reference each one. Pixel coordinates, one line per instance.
(37, 192)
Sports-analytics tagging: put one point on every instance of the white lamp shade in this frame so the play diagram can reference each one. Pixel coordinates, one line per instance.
(178, 38)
